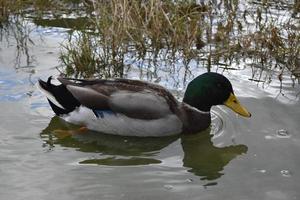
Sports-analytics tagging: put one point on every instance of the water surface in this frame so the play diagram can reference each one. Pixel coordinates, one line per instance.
(236, 158)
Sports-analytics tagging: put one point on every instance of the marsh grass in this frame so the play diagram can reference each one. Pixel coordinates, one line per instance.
(148, 33)
(169, 36)
(157, 34)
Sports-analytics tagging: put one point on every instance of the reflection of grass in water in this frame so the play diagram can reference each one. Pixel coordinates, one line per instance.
(13, 22)
(79, 23)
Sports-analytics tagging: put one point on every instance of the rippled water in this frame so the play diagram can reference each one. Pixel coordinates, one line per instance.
(237, 158)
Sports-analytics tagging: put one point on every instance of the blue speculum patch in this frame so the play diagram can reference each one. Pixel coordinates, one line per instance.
(101, 113)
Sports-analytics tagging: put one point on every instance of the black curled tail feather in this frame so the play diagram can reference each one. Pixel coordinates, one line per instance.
(67, 102)
(49, 81)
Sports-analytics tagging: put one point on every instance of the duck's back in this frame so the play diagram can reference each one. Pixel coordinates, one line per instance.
(133, 98)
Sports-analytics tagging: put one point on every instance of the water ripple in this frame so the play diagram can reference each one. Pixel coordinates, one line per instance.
(217, 124)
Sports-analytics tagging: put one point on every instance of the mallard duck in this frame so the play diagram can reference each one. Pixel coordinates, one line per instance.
(137, 108)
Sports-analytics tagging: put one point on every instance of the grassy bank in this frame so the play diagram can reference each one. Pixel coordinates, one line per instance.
(156, 34)
(114, 35)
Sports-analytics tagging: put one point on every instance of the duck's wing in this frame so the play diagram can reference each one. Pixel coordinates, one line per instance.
(134, 99)
(143, 105)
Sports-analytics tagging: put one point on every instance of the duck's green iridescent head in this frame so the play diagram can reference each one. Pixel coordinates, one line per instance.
(211, 89)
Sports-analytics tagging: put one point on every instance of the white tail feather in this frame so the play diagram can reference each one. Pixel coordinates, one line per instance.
(49, 96)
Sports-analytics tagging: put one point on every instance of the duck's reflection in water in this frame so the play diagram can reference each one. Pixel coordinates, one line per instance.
(114, 150)
(201, 157)
(206, 160)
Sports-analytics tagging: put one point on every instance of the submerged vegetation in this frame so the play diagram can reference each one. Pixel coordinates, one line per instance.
(172, 36)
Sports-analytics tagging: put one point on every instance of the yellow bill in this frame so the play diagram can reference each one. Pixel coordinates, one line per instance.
(235, 105)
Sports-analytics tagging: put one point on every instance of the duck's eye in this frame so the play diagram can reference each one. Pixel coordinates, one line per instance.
(234, 101)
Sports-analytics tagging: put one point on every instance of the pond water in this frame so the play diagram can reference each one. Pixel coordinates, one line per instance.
(256, 158)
